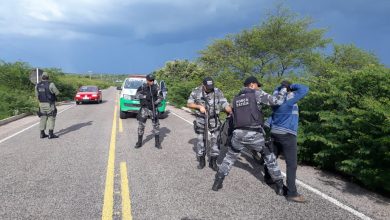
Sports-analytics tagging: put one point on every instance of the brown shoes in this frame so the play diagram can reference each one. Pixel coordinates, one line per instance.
(298, 198)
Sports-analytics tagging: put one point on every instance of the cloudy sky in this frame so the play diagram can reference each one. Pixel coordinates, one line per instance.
(139, 36)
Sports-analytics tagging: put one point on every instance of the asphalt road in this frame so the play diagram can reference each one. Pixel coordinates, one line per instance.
(93, 171)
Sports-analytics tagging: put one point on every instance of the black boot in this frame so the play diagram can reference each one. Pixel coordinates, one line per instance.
(202, 162)
(267, 178)
(52, 135)
(43, 135)
(218, 182)
(157, 142)
(139, 142)
(279, 187)
(213, 163)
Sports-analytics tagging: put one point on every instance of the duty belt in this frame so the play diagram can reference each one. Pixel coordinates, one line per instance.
(250, 129)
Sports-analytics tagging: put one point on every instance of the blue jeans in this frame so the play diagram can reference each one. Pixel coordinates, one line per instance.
(287, 144)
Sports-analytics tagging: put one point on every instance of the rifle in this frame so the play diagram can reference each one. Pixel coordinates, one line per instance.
(154, 113)
(206, 131)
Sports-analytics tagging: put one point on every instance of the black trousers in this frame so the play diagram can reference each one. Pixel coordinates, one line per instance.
(287, 144)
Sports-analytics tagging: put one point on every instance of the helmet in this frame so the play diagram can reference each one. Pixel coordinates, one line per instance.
(150, 77)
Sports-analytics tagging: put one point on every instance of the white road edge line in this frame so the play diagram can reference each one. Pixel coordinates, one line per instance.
(2, 140)
(314, 190)
(182, 118)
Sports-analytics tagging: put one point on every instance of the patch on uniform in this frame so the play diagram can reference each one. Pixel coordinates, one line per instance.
(242, 102)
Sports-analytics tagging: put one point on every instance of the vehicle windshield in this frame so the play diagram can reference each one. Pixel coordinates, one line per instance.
(88, 89)
(133, 84)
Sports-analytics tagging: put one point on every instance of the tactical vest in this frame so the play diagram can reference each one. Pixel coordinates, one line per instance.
(44, 93)
(245, 110)
(151, 95)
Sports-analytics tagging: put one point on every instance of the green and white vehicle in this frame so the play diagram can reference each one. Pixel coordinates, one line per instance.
(129, 105)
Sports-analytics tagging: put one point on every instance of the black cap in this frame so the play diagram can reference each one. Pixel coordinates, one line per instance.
(208, 82)
(150, 77)
(250, 80)
(286, 84)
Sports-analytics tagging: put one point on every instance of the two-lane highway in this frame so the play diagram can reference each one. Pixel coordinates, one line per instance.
(93, 171)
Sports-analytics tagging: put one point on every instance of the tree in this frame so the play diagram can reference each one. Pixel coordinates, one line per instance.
(346, 57)
(181, 76)
(281, 44)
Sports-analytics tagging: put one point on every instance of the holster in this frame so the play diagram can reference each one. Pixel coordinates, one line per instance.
(140, 118)
(197, 129)
(53, 113)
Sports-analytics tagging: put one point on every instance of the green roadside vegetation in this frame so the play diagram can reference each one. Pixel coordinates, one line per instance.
(345, 118)
(17, 92)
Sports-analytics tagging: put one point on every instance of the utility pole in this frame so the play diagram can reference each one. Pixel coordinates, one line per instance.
(90, 73)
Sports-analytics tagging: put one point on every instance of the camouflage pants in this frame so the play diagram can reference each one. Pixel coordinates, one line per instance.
(213, 136)
(253, 141)
(48, 117)
(142, 116)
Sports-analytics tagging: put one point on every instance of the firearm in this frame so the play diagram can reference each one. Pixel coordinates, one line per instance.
(154, 110)
(39, 113)
(206, 131)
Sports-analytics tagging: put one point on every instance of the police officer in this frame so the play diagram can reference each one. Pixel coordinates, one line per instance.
(149, 98)
(248, 131)
(46, 93)
(207, 100)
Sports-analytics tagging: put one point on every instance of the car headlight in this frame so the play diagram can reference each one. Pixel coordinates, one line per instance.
(128, 97)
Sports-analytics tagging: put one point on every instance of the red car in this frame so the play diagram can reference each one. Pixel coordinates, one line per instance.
(88, 94)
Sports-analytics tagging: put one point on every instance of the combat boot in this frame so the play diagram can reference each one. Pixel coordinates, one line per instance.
(279, 187)
(218, 182)
(157, 142)
(139, 142)
(202, 162)
(52, 135)
(43, 135)
(213, 163)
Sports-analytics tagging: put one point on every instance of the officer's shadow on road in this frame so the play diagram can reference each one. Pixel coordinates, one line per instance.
(163, 133)
(73, 128)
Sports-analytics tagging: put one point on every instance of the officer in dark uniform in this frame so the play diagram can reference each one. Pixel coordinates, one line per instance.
(46, 93)
(248, 131)
(149, 97)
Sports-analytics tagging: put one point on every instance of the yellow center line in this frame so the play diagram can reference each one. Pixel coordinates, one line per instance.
(126, 203)
(120, 126)
(108, 203)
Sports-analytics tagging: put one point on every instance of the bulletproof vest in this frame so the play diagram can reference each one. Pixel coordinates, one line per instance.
(151, 95)
(44, 93)
(245, 110)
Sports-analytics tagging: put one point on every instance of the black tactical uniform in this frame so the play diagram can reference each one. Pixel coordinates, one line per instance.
(149, 98)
